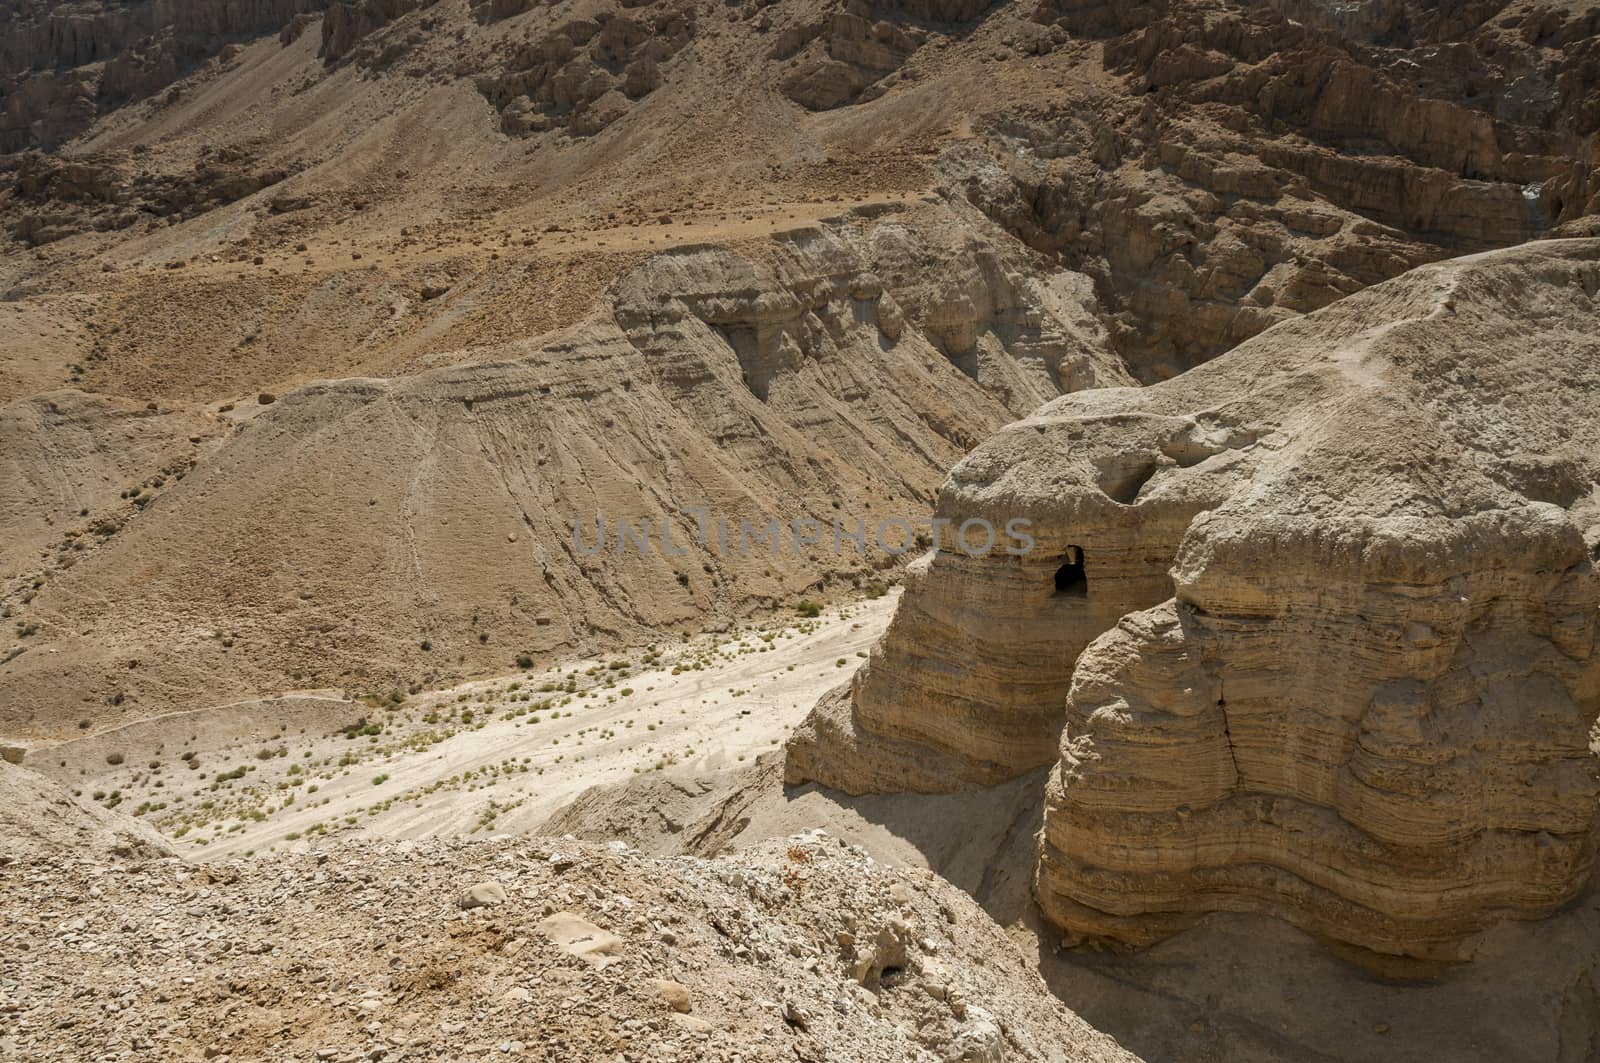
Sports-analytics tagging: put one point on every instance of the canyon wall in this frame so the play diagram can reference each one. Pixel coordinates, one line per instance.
(830, 375)
(1311, 631)
(62, 66)
(1254, 161)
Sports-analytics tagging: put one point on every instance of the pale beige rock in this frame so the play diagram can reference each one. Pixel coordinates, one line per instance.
(883, 950)
(483, 895)
(676, 994)
(41, 818)
(1339, 602)
(578, 937)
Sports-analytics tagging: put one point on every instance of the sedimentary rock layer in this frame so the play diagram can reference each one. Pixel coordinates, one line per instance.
(1322, 615)
(832, 373)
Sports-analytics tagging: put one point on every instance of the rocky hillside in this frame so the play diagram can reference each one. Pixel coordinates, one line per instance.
(381, 299)
(367, 533)
(1311, 631)
(542, 950)
(63, 65)
(40, 819)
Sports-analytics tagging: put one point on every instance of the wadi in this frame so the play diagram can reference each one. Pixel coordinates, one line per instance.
(800, 529)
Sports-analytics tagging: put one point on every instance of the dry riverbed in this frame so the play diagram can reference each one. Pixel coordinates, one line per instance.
(484, 758)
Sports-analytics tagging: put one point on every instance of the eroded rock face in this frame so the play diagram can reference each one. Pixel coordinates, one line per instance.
(61, 66)
(1268, 158)
(583, 74)
(54, 197)
(347, 24)
(1331, 652)
(854, 52)
(834, 372)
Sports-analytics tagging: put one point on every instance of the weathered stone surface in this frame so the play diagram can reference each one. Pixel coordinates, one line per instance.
(776, 354)
(345, 24)
(852, 55)
(578, 937)
(483, 895)
(1333, 657)
(585, 73)
(112, 957)
(1270, 158)
(61, 66)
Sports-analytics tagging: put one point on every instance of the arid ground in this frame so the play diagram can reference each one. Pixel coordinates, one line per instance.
(324, 324)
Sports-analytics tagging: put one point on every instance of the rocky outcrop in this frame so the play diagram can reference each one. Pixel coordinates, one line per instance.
(834, 374)
(52, 197)
(584, 74)
(1319, 621)
(1022, 338)
(345, 25)
(852, 54)
(1266, 159)
(61, 66)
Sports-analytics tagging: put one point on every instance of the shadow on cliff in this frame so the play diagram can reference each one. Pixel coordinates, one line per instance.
(1236, 988)
(1240, 988)
(981, 841)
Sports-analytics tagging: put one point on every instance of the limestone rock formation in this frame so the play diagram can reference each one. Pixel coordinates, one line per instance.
(585, 72)
(346, 24)
(622, 202)
(834, 374)
(63, 65)
(1323, 616)
(1269, 158)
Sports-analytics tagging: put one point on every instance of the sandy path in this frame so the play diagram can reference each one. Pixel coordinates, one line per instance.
(742, 702)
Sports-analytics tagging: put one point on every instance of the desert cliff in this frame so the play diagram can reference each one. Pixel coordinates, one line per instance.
(1311, 630)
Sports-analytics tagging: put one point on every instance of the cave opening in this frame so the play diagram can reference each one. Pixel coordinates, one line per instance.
(1070, 577)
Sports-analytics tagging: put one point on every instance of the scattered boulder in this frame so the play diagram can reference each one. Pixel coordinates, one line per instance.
(676, 994)
(483, 895)
(884, 951)
(576, 936)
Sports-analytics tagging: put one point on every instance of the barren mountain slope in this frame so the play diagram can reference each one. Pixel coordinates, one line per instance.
(783, 260)
(371, 532)
(40, 819)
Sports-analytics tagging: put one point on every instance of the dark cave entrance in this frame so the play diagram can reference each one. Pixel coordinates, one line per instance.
(1070, 577)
